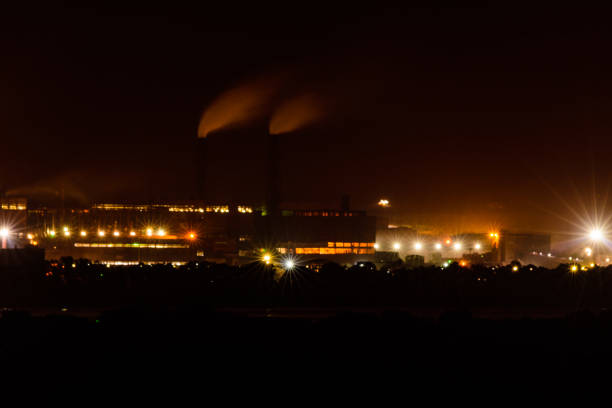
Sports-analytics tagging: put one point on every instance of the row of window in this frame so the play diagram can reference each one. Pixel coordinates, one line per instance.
(350, 244)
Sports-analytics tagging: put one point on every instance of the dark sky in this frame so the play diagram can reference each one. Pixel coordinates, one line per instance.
(465, 117)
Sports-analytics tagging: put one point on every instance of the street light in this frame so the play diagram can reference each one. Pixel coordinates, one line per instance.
(396, 246)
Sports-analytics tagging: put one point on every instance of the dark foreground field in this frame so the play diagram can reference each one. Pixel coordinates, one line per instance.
(215, 344)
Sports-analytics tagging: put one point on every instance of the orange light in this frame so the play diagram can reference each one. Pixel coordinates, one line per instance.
(192, 235)
(448, 242)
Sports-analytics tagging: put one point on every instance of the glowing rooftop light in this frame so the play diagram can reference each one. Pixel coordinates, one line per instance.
(596, 235)
(418, 246)
(396, 246)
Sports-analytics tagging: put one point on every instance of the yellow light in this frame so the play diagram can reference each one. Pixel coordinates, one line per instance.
(101, 233)
(30, 236)
(65, 229)
(396, 246)
(383, 202)
(52, 233)
(592, 265)
(66, 233)
(574, 268)
(192, 235)
(149, 232)
(116, 233)
(515, 268)
(448, 242)
(83, 233)
(266, 258)
(161, 232)
(418, 246)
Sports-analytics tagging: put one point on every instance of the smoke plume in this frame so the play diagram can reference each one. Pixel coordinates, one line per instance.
(242, 104)
(296, 113)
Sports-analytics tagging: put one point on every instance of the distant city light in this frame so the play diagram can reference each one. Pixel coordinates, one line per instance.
(477, 246)
(448, 242)
(588, 251)
(116, 233)
(457, 246)
(383, 202)
(4, 232)
(101, 233)
(132, 233)
(596, 235)
(30, 236)
(574, 268)
(375, 246)
(515, 268)
(438, 246)
(396, 246)
(51, 233)
(607, 259)
(66, 233)
(192, 235)
(149, 232)
(83, 233)
(289, 264)
(161, 232)
(266, 258)
(418, 246)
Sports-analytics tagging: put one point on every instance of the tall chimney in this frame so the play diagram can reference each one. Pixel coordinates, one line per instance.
(201, 163)
(345, 203)
(272, 196)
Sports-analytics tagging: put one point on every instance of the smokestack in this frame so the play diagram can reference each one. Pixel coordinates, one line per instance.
(272, 198)
(201, 163)
(345, 202)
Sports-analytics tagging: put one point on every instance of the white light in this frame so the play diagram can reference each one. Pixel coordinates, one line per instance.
(457, 246)
(66, 233)
(477, 246)
(116, 233)
(161, 232)
(396, 246)
(375, 246)
(596, 235)
(607, 259)
(101, 233)
(149, 232)
(438, 246)
(418, 246)
(289, 264)
(83, 233)
(4, 232)
(132, 233)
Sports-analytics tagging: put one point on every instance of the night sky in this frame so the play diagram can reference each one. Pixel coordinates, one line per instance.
(463, 118)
